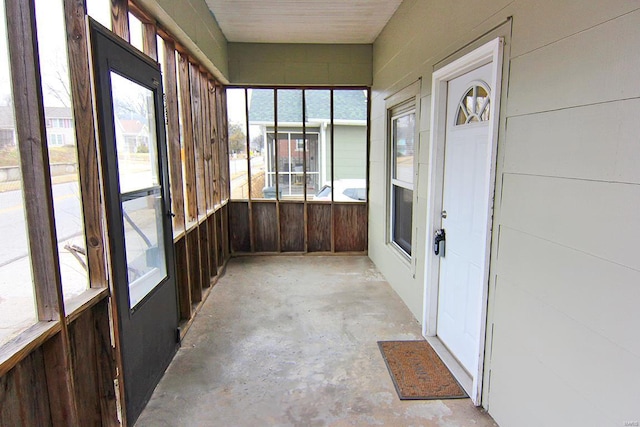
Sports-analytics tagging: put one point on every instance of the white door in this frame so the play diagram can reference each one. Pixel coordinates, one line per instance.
(465, 201)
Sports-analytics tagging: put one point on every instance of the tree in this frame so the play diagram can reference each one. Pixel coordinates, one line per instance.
(237, 138)
(256, 143)
(55, 80)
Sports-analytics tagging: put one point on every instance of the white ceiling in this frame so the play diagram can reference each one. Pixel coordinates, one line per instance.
(302, 21)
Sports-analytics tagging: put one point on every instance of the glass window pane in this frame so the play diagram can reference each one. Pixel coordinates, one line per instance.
(403, 129)
(17, 302)
(313, 160)
(318, 125)
(135, 134)
(402, 210)
(144, 246)
(135, 32)
(269, 190)
(474, 106)
(141, 195)
(350, 145)
(238, 166)
(290, 159)
(61, 140)
(261, 120)
(100, 10)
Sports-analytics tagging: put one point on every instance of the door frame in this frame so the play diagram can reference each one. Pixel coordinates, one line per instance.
(490, 52)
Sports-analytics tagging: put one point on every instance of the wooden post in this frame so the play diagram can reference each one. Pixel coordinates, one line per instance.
(34, 157)
(88, 164)
(38, 200)
(173, 135)
(149, 40)
(215, 143)
(189, 155)
(120, 18)
(89, 175)
(196, 116)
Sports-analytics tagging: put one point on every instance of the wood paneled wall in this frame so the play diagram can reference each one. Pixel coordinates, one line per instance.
(31, 391)
(297, 227)
(64, 369)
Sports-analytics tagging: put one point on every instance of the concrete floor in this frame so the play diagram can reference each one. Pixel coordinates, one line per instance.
(291, 341)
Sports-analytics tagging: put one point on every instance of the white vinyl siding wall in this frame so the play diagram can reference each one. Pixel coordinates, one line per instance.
(562, 345)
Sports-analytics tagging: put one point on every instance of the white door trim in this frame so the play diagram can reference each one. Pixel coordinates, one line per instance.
(490, 52)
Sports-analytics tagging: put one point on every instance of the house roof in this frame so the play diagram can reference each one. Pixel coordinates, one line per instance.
(132, 126)
(58, 113)
(7, 121)
(348, 105)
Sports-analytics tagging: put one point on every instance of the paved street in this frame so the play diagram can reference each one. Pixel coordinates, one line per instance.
(17, 308)
(12, 221)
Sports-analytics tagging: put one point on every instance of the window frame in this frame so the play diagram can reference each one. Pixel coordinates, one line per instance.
(270, 170)
(403, 103)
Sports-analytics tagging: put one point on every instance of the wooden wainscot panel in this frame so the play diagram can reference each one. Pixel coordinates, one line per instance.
(213, 246)
(265, 227)
(83, 359)
(224, 232)
(194, 265)
(182, 276)
(239, 227)
(224, 229)
(205, 280)
(220, 239)
(58, 386)
(319, 227)
(350, 227)
(292, 227)
(106, 364)
(23, 393)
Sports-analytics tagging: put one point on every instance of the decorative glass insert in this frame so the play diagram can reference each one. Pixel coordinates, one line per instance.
(475, 105)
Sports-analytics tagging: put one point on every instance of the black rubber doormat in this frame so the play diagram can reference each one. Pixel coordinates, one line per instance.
(417, 371)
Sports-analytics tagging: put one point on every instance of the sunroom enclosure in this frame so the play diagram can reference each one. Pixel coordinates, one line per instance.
(60, 353)
(298, 169)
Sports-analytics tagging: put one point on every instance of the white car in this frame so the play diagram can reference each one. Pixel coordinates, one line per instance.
(346, 190)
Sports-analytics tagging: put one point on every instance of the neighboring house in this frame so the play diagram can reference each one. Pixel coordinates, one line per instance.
(132, 136)
(548, 333)
(7, 128)
(58, 123)
(349, 134)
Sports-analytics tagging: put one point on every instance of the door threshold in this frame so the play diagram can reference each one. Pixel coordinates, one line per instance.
(456, 369)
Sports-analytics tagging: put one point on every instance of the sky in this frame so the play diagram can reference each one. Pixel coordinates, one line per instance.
(51, 45)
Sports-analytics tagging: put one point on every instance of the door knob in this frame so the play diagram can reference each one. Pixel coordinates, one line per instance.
(439, 241)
